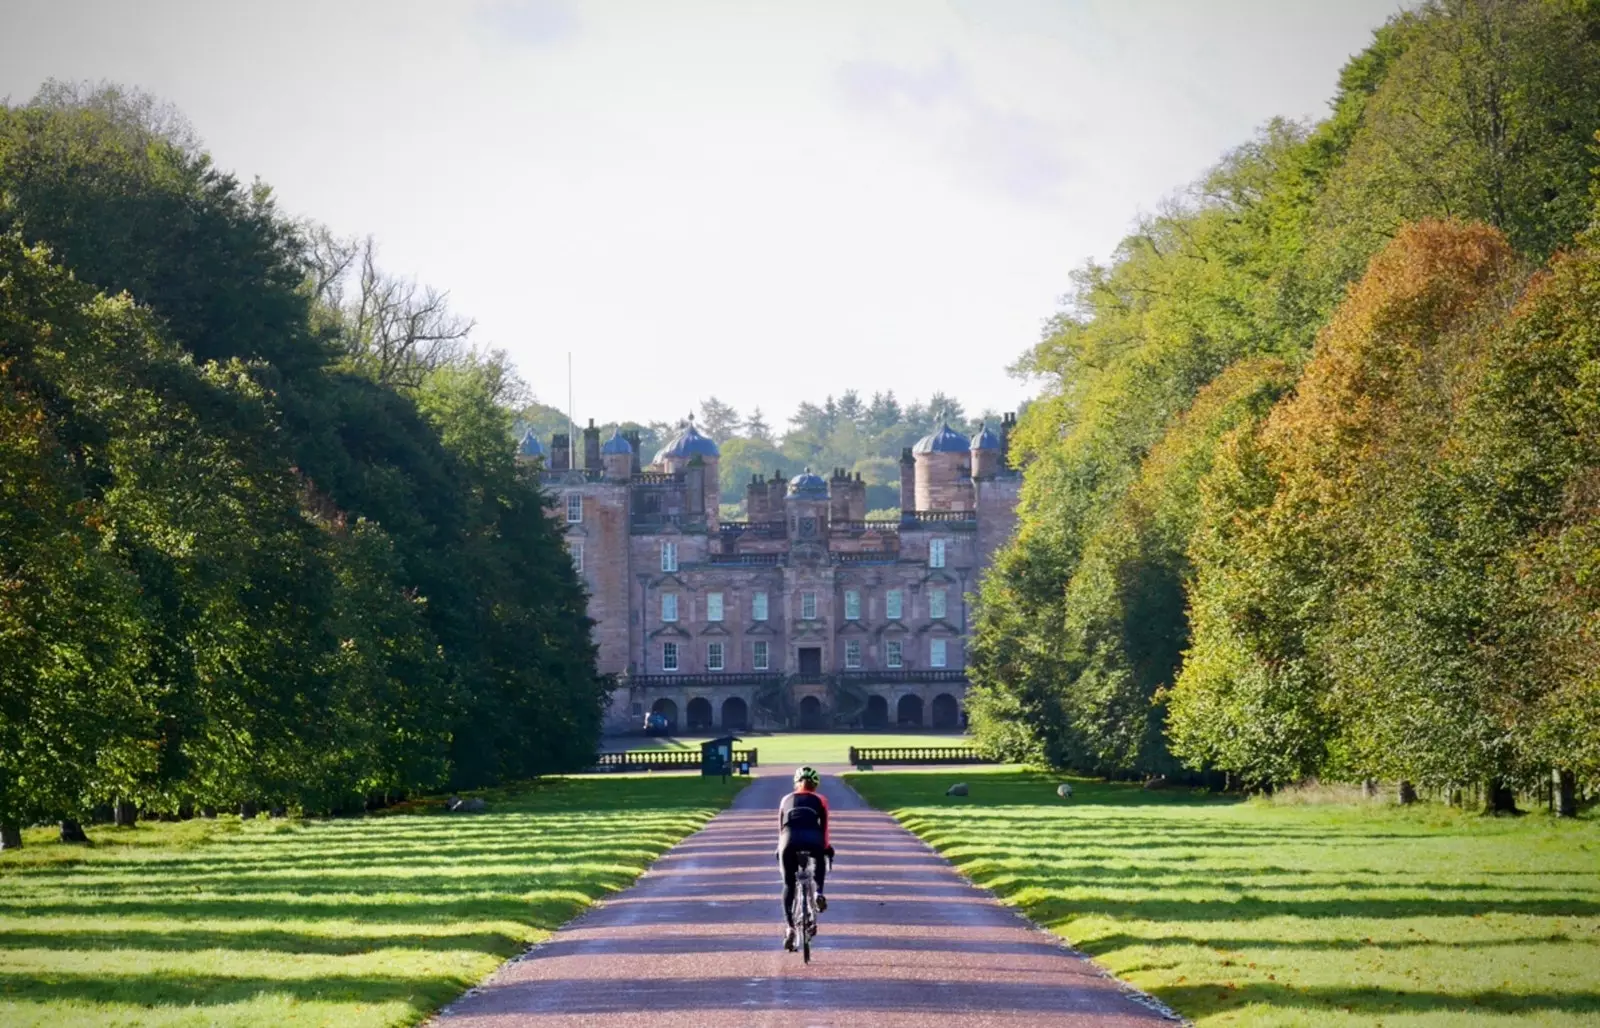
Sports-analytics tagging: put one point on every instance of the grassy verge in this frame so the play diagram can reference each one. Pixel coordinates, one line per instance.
(1255, 913)
(370, 921)
(778, 748)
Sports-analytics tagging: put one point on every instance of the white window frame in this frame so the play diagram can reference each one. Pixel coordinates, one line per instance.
(669, 556)
(575, 546)
(761, 657)
(852, 653)
(808, 606)
(894, 605)
(893, 654)
(758, 607)
(852, 605)
(713, 606)
(669, 656)
(936, 553)
(574, 506)
(715, 657)
(937, 606)
(938, 653)
(669, 607)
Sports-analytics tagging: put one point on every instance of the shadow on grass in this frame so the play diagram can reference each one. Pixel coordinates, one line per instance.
(1200, 1000)
(445, 897)
(1468, 900)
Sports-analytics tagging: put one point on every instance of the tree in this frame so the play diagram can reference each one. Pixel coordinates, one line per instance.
(717, 419)
(756, 426)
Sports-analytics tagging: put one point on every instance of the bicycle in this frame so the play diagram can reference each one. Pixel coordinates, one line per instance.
(804, 910)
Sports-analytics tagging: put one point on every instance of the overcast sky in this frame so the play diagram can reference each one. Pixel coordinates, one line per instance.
(762, 201)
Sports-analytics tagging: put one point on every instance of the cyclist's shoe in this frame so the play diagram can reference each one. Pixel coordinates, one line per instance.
(822, 903)
(791, 940)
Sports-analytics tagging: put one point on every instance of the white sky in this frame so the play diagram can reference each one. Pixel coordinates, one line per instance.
(765, 201)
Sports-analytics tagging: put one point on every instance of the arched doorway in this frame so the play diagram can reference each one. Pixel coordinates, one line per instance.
(946, 711)
(909, 712)
(811, 713)
(735, 714)
(667, 709)
(699, 714)
(876, 715)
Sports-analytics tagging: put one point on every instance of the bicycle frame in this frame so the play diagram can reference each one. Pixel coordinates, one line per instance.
(805, 904)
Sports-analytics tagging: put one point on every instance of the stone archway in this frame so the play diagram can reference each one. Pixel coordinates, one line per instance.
(946, 712)
(735, 715)
(667, 709)
(811, 713)
(698, 714)
(876, 716)
(908, 712)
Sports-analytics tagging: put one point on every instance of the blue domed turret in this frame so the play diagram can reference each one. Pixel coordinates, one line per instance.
(616, 445)
(529, 448)
(985, 439)
(946, 440)
(689, 443)
(807, 486)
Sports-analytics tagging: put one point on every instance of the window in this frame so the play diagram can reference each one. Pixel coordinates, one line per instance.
(574, 508)
(713, 606)
(808, 606)
(936, 603)
(936, 553)
(891, 604)
(808, 527)
(714, 657)
(891, 653)
(669, 556)
(669, 656)
(758, 607)
(760, 656)
(669, 606)
(936, 653)
(852, 653)
(576, 546)
(852, 606)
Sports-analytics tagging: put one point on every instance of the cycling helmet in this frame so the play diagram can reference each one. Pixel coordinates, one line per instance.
(808, 775)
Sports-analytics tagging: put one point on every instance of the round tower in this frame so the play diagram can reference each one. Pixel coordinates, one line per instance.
(942, 470)
(986, 448)
(807, 507)
(530, 450)
(617, 457)
(681, 450)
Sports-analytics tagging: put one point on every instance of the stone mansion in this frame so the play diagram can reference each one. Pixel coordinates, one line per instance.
(805, 614)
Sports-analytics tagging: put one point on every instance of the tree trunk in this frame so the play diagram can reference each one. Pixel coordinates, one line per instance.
(1408, 794)
(1566, 789)
(124, 813)
(209, 812)
(10, 835)
(1499, 798)
(248, 809)
(1369, 788)
(72, 831)
(186, 812)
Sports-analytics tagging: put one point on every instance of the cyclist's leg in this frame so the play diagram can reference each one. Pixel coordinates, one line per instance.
(791, 863)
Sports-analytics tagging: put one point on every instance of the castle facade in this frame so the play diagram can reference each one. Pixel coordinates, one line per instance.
(803, 615)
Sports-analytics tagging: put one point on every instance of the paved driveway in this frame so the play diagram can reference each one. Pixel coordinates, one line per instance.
(698, 941)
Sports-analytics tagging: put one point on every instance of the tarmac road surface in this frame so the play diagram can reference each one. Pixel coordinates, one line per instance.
(698, 940)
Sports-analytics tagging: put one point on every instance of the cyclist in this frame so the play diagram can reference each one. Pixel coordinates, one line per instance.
(802, 828)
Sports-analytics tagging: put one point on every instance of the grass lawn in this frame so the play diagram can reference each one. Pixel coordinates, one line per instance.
(796, 747)
(368, 921)
(1259, 913)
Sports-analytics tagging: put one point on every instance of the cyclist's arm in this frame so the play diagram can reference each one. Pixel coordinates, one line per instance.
(826, 838)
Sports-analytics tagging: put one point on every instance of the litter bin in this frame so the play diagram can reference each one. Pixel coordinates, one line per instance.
(716, 756)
